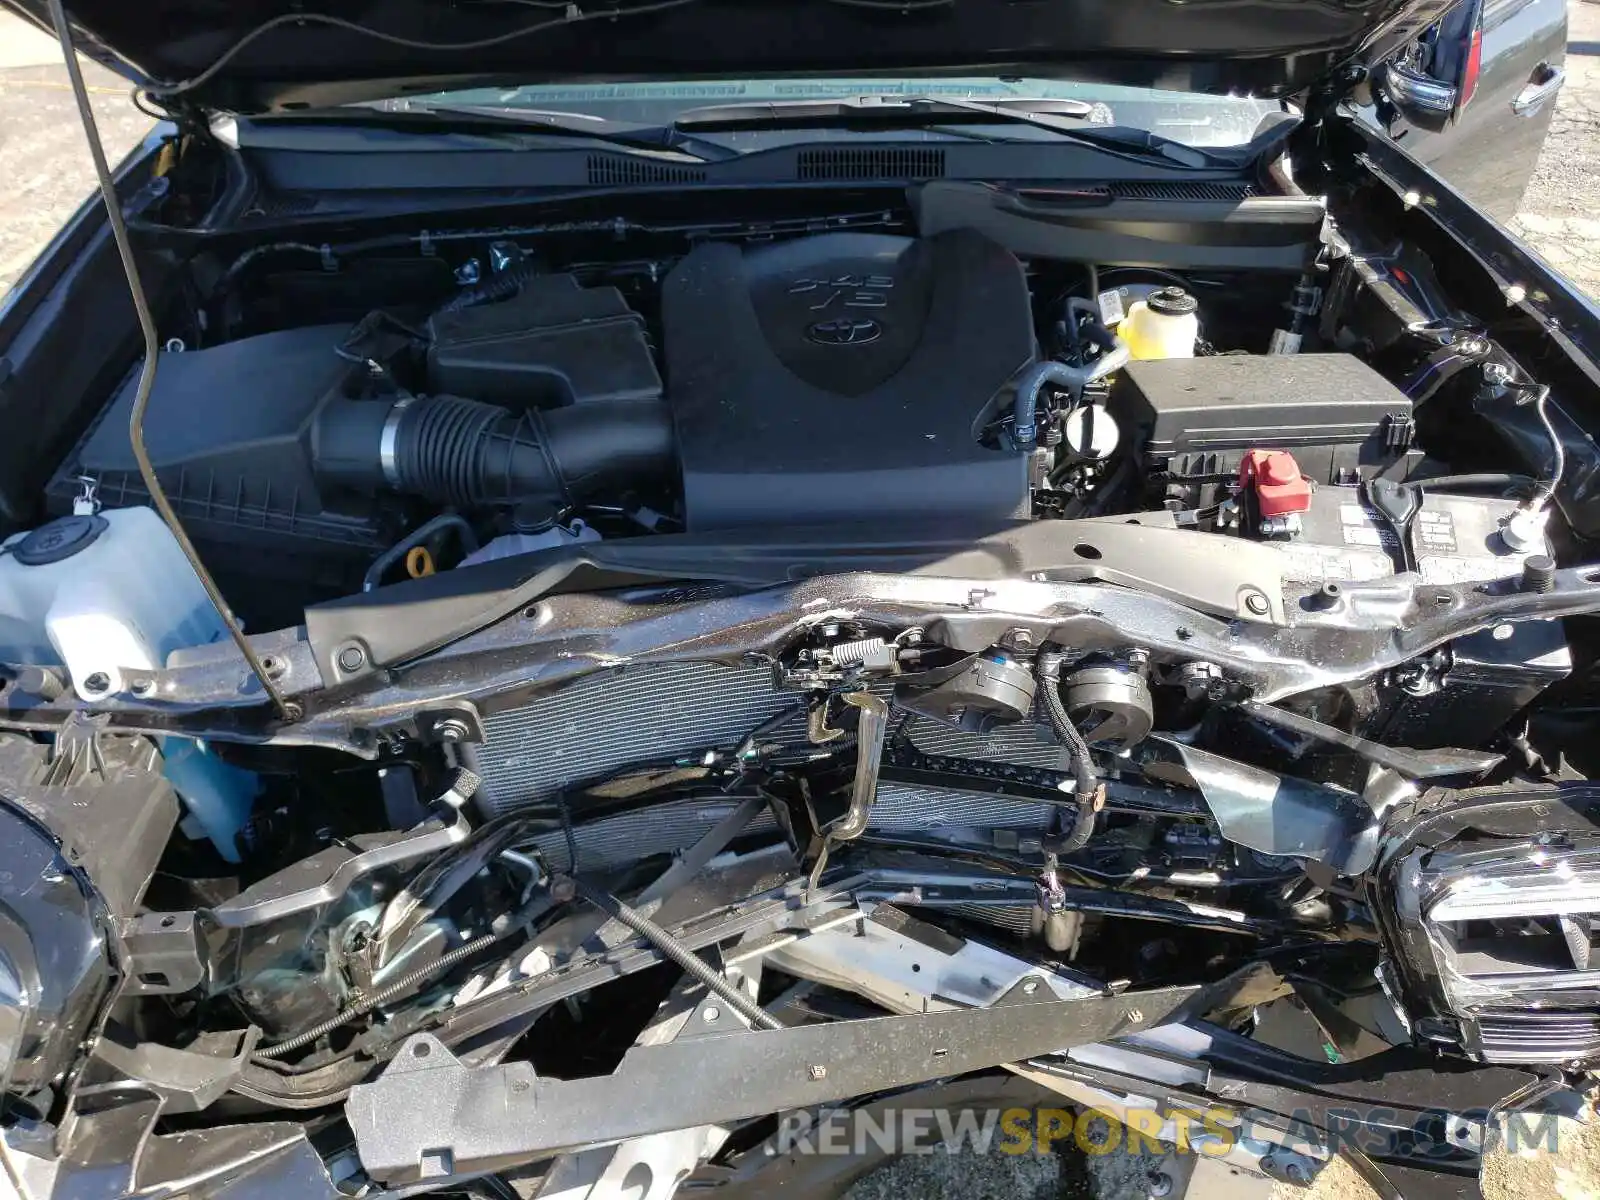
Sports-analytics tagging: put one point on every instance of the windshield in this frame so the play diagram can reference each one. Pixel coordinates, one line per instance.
(1191, 118)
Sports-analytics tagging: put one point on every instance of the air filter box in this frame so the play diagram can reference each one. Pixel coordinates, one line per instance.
(554, 343)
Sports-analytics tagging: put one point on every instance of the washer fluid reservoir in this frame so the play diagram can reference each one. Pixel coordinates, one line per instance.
(104, 593)
(1166, 324)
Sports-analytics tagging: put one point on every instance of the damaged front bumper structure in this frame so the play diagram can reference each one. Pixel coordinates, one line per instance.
(831, 923)
(447, 1110)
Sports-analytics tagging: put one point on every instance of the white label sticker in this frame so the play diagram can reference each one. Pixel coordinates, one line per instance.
(1361, 528)
(1448, 569)
(1436, 532)
(1110, 307)
(1363, 535)
(1318, 564)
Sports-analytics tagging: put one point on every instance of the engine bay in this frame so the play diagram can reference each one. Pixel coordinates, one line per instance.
(852, 597)
(833, 378)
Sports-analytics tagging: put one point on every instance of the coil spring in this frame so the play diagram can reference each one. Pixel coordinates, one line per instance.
(850, 654)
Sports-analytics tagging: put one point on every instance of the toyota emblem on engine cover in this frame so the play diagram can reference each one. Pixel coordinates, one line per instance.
(845, 331)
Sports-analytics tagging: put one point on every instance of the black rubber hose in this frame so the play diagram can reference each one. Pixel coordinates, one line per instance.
(1482, 479)
(470, 454)
(686, 958)
(1025, 407)
(419, 537)
(498, 287)
(1026, 426)
(1085, 788)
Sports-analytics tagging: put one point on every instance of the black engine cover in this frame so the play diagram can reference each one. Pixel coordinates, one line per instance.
(845, 376)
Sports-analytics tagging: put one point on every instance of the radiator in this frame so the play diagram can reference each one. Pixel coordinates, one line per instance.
(614, 720)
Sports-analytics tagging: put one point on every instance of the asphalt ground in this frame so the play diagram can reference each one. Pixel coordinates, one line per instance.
(1560, 213)
(45, 171)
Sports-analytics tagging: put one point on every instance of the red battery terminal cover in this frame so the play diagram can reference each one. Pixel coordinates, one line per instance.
(1275, 478)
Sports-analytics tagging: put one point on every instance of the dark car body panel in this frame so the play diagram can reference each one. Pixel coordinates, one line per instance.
(76, 290)
(1488, 149)
(1264, 47)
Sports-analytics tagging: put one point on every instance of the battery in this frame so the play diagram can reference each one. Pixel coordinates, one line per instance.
(1454, 539)
(1484, 679)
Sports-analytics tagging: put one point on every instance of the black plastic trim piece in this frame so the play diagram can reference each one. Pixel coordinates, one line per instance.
(1263, 233)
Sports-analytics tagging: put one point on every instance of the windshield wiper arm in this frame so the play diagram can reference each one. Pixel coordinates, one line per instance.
(492, 121)
(1072, 119)
(889, 109)
(647, 137)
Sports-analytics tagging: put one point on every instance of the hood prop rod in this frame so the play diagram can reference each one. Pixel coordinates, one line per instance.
(287, 710)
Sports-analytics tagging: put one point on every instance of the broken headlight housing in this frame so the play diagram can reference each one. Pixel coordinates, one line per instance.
(1490, 899)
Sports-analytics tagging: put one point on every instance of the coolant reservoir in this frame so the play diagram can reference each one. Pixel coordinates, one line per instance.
(1166, 324)
(100, 594)
(103, 593)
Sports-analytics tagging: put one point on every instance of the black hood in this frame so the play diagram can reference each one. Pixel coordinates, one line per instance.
(257, 54)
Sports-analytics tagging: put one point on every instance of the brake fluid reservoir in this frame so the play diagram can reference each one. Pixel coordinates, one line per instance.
(103, 593)
(1166, 324)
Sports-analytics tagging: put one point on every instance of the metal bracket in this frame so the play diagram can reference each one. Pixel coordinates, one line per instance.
(165, 954)
(908, 966)
(1271, 813)
(328, 875)
(186, 1080)
(430, 1115)
(873, 726)
(874, 723)
(1413, 764)
(451, 725)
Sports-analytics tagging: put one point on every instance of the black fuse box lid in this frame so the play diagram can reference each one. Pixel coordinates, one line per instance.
(1227, 402)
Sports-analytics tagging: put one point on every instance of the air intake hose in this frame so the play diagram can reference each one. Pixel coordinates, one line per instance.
(467, 453)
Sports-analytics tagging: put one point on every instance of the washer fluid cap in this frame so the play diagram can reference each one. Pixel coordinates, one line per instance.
(59, 540)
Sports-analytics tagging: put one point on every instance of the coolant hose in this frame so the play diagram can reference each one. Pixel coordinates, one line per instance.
(470, 454)
(1025, 429)
(686, 958)
(1085, 790)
